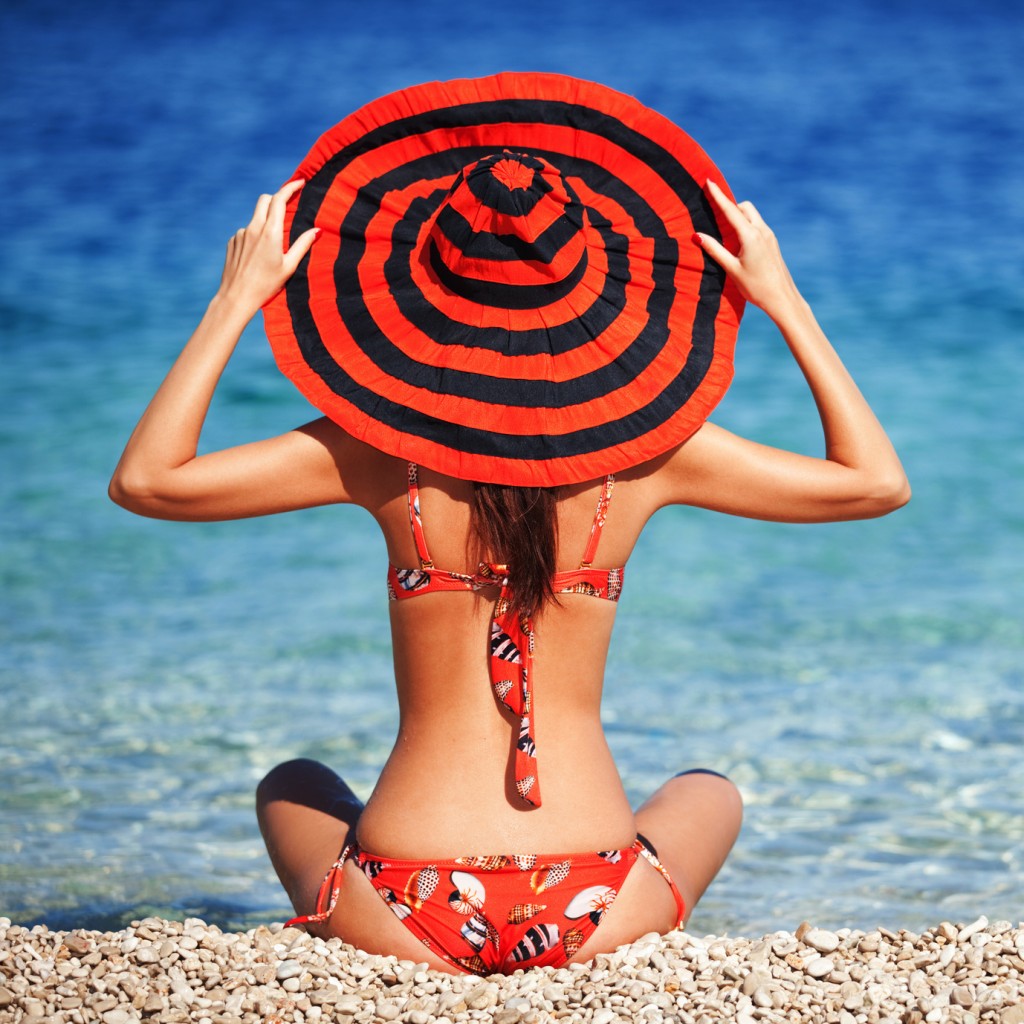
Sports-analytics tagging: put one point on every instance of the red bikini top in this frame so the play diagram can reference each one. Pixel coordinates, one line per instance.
(512, 637)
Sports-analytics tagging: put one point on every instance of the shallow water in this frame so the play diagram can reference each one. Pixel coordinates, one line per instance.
(861, 682)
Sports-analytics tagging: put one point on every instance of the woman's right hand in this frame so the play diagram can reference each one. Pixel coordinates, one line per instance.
(757, 269)
(256, 266)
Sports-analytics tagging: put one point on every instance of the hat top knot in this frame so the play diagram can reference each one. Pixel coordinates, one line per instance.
(512, 172)
(510, 220)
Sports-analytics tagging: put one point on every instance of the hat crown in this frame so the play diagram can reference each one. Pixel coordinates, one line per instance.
(509, 221)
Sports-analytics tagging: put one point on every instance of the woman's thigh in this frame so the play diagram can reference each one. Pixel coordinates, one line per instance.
(692, 821)
(305, 812)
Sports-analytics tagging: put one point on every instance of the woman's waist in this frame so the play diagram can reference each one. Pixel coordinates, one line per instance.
(447, 814)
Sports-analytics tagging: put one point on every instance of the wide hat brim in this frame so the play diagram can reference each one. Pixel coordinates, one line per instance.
(624, 365)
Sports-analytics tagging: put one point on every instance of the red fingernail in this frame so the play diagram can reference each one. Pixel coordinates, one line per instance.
(695, 239)
(317, 233)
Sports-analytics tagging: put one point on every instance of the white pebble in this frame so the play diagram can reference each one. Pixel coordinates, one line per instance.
(821, 940)
(117, 1016)
(289, 969)
(975, 926)
(819, 967)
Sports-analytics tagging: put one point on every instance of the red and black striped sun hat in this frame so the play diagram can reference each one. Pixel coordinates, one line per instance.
(505, 289)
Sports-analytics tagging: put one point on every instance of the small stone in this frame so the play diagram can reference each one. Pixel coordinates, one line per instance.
(154, 1004)
(6, 997)
(962, 996)
(975, 926)
(819, 967)
(507, 1016)
(418, 1017)
(291, 984)
(604, 1016)
(482, 997)
(762, 997)
(387, 1010)
(1012, 1014)
(147, 955)
(33, 1008)
(348, 1004)
(947, 956)
(288, 969)
(77, 945)
(947, 931)
(821, 940)
(117, 1016)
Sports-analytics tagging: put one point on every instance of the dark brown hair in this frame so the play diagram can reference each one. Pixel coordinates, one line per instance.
(518, 527)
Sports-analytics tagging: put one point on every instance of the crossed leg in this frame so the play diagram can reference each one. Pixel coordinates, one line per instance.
(306, 813)
(692, 821)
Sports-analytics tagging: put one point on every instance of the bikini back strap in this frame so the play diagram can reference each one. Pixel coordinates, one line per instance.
(416, 520)
(599, 518)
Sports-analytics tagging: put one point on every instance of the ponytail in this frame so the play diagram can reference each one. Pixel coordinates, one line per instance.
(518, 527)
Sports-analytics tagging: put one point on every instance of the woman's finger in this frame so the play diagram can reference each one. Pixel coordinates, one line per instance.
(733, 214)
(259, 215)
(286, 191)
(717, 252)
(301, 245)
(280, 198)
(751, 213)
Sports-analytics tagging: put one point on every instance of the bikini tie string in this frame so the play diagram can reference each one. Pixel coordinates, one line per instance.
(512, 642)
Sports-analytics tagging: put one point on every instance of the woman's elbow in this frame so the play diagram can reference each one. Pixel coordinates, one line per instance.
(887, 494)
(133, 492)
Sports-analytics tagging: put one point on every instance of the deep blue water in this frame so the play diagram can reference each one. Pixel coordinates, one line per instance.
(862, 682)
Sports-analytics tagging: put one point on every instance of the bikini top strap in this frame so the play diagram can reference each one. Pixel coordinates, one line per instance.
(416, 520)
(599, 518)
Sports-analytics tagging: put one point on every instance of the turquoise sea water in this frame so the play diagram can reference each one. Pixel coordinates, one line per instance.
(861, 682)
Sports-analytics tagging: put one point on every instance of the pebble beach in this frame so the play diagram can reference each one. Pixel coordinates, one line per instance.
(172, 972)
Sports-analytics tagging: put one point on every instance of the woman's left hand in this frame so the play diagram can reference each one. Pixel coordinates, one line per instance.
(256, 266)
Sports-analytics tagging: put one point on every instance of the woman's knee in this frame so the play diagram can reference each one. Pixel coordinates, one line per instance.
(311, 784)
(716, 787)
(286, 780)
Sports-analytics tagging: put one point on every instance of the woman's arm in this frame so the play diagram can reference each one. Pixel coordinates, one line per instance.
(860, 475)
(160, 474)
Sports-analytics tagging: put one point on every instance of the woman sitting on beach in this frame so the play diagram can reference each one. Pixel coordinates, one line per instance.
(517, 346)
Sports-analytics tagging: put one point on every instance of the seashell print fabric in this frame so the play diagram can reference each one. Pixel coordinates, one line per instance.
(496, 913)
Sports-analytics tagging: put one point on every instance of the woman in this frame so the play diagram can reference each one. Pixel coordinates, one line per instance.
(477, 861)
